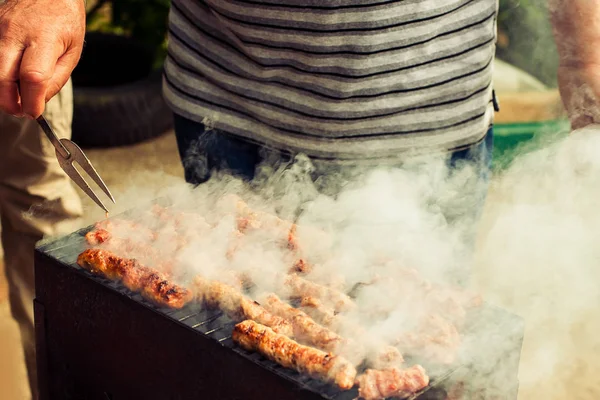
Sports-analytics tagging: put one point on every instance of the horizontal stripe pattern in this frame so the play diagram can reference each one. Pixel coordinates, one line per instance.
(336, 79)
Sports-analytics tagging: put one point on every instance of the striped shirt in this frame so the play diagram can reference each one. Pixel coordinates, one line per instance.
(336, 79)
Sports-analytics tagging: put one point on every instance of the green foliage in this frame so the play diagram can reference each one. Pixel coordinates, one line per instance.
(531, 44)
(144, 20)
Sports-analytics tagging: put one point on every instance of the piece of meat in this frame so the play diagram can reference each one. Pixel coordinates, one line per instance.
(305, 328)
(383, 357)
(376, 355)
(249, 219)
(301, 266)
(237, 306)
(150, 283)
(104, 263)
(143, 252)
(292, 238)
(183, 222)
(307, 331)
(298, 287)
(290, 354)
(393, 382)
(324, 315)
(134, 240)
(435, 338)
(97, 236)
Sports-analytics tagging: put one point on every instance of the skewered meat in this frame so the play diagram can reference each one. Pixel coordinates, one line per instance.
(324, 315)
(237, 306)
(299, 287)
(436, 339)
(292, 238)
(249, 219)
(182, 221)
(305, 328)
(290, 354)
(97, 236)
(132, 248)
(394, 382)
(252, 219)
(301, 266)
(152, 284)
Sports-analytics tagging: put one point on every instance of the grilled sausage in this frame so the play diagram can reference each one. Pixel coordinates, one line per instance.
(150, 283)
(290, 354)
(394, 382)
(237, 306)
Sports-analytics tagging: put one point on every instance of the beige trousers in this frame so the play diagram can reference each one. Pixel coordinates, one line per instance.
(36, 200)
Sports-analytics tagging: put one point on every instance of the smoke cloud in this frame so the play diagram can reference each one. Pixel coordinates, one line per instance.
(538, 257)
(535, 254)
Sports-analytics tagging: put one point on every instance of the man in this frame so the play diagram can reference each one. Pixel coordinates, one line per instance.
(345, 82)
(350, 83)
(40, 42)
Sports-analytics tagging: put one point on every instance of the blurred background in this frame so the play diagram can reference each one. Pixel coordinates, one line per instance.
(120, 116)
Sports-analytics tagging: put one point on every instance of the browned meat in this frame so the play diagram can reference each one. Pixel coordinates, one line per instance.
(249, 219)
(292, 238)
(385, 357)
(435, 338)
(305, 328)
(301, 266)
(106, 264)
(150, 283)
(299, 287)
(252, 219)
(237, 306)
(143, 252)
(159, 290)
(97, 236)
(290, 354)
(326, 316)
(394, 382)
(181, 221)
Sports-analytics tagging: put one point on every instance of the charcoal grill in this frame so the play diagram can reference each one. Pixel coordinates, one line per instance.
(97, 340)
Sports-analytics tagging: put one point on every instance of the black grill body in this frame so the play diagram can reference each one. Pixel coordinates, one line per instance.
(96, 340)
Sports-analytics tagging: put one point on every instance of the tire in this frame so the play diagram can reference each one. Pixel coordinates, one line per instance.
(117, 97)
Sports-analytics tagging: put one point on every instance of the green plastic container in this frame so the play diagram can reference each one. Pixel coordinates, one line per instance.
(511, 140)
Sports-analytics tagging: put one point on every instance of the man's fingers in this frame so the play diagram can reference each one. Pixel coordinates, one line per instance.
(10, 58)
(37, 67)
(64, 67)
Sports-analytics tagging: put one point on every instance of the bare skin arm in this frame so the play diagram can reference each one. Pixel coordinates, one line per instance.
(40, 44)
(576, 25)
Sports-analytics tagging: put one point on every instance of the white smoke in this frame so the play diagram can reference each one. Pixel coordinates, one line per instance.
(539, 257)
(536, 254)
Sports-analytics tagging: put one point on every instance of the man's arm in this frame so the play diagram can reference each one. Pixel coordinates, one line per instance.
(40, 44)
(576, 26)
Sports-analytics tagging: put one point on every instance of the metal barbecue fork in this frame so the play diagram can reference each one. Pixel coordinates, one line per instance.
(67, 153)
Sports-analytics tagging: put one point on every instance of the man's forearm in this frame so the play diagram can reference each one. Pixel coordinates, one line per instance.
(576, 26)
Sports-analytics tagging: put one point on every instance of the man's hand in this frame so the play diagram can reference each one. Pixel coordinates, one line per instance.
(40, 44)
(577, 33)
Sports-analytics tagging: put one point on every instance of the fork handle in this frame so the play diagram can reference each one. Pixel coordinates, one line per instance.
(64, 153)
